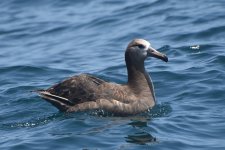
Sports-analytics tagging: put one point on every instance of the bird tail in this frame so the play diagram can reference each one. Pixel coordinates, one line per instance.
(59, 102)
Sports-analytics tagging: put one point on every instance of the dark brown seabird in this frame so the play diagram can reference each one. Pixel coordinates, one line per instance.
(86, 92)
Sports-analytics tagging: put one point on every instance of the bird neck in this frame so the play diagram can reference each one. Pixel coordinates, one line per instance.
(136, 75)
(138, 79)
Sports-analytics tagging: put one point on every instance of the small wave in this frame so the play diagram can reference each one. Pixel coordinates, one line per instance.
(213, 32)
(55, 30)
(99, 22)
(22, 68)
(30, 69)
(33, 122)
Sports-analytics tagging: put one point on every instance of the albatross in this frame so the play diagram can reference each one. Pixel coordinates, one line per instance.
(86, 92)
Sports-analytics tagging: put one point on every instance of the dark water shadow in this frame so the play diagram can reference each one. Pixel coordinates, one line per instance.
(141, 138)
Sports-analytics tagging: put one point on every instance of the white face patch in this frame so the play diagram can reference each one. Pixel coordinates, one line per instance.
(146, 45)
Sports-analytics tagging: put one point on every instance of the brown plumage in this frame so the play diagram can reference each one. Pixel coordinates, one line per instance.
(86, 92)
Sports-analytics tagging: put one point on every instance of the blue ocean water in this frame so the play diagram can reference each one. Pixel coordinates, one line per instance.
(45, 41)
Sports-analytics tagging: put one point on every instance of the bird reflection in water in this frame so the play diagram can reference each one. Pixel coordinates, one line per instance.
(142, 136)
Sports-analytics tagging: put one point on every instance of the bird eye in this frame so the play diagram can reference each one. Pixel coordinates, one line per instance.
(141, 46)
